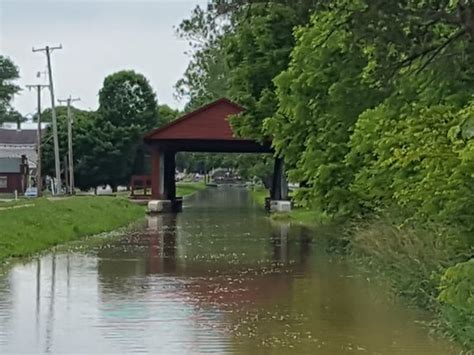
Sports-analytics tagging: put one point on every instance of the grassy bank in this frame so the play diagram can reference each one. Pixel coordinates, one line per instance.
(297, 215)
(259, 195)
(188, 188)
(27, 230)
(431, 266)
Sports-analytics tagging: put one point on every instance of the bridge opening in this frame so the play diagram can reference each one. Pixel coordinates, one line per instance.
(205, 130)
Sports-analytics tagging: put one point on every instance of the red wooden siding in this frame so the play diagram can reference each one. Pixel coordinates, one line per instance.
(207, 123)
(15, 181)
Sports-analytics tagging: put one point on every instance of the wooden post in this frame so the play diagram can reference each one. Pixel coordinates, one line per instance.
(172, 177)
(169, 186)
(66, 173)
(156, 192)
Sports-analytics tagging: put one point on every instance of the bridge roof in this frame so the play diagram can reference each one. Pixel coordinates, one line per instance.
(206, 129)
(207, 122)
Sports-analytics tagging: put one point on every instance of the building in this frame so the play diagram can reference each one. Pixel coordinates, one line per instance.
(14, 174)
(20, 140)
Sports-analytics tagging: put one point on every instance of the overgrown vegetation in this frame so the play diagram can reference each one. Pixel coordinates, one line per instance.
(371, 104)
(28, 230)
(457, 301)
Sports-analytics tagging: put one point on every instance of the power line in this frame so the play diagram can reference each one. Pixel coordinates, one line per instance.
(57, 163)
(69, 142)
(39, 178)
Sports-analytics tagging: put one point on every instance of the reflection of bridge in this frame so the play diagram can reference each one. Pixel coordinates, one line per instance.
(169, 254)
(205, 130)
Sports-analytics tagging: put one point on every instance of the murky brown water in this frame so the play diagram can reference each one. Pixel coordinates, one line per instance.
(218, 278)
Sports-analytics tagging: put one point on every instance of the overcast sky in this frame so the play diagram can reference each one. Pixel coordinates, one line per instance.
(98, 37)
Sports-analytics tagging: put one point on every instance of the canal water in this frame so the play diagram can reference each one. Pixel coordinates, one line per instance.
(218, 278)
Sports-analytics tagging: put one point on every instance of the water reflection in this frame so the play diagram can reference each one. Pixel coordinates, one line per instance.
(219, 277)
(50, 315)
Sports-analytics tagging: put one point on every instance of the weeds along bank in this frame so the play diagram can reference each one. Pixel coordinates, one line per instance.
(432, 267)
(45, 223)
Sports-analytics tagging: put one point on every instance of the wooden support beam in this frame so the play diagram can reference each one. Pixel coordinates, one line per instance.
(169, 186)
(171, 176)
(156, 192)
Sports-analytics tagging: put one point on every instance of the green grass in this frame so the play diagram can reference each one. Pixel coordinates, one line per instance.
(259, 195)
(182, 189)
(188, 188)
(25, 231)
(297, 215)
(302, 216)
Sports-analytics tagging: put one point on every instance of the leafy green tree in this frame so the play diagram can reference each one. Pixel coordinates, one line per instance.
(107, 144)
(127, 99)
(165, 114)
(236, 52)
(205, 78)
(350, 58)
(321, 95)
(83, 121)
(127, 109)
(256, 52)
(8, 74)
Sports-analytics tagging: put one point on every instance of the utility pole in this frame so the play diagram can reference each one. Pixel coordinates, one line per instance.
(57, 163)
(39, 178)
(69, 142)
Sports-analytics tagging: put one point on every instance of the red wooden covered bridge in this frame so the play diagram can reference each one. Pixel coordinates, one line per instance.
(206, 129)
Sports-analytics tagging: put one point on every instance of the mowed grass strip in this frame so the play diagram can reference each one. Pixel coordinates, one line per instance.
(188, 188)
(25, 231)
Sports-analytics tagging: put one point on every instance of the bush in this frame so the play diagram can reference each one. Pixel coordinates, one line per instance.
(457, 301)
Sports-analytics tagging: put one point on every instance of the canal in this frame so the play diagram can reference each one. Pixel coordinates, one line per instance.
(219, 277)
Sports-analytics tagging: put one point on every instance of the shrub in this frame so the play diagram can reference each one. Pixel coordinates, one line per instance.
(457, 301)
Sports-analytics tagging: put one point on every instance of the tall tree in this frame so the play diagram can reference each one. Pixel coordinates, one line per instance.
(205, 78)
(83, 127)
(8, 74)
(127, 99)
(127, 109)
(108, 143)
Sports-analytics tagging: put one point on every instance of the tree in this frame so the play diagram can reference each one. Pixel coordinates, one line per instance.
(8, 73)
(13, 116)
(127, 109)
(165, 114)
(205, 78)
(83, 124)
(127, 99)
(236, 52)
(107, 144)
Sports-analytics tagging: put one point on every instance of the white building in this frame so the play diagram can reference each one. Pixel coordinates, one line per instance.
(17, 140)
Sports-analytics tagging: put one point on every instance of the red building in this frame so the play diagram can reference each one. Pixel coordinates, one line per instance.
(13, 175)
